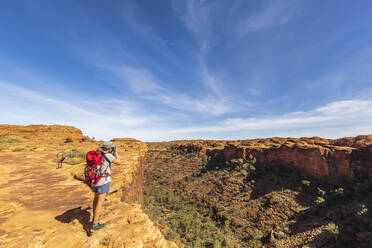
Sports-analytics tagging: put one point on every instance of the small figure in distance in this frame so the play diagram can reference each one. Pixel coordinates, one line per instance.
(60, 157)
(102, 187)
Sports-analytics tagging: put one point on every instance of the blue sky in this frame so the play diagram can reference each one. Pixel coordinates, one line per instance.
(172, 69)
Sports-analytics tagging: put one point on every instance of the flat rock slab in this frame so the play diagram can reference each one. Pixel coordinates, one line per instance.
(41, 206)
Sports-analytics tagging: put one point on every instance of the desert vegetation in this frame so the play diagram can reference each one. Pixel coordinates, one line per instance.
(73, 156)
(252, 204)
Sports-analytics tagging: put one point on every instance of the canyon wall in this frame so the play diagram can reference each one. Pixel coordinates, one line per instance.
(129, 175)
(350, 157)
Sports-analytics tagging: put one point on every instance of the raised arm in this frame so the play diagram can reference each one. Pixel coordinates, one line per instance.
(116, 158)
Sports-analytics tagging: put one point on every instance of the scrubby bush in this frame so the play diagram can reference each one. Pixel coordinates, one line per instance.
(204, 160)
(73, 156)
(321, 192)
(87, 138)
(306, 183)
(254, 243)
(184, 221)
(320, 200)
(363, 210)
(18, 149)
(9, 140)
(333, 229)
(339, 192)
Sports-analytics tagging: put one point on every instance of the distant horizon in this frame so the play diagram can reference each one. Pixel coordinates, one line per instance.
(242, 139)
(176, 70)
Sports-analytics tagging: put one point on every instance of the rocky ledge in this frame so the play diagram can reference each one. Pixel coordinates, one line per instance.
(42, 206)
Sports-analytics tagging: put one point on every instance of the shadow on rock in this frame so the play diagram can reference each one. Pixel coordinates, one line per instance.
(82, 215)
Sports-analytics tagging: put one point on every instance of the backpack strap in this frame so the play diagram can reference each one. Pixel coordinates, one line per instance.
(104, 156)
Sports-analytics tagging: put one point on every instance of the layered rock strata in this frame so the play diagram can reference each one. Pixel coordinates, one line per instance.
(350, 158)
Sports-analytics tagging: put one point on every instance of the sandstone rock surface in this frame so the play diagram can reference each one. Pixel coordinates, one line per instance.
(41, 206)
(50, 133)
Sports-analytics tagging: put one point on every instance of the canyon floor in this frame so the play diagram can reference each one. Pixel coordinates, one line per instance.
(251, 204)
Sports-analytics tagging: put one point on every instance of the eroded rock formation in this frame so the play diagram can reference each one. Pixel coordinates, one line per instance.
(347, 157)
(50, 133)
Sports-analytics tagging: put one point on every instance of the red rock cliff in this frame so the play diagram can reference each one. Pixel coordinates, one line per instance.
(348, 157)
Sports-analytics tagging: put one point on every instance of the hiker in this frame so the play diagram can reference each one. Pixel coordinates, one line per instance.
(60, 157)
(110, 155)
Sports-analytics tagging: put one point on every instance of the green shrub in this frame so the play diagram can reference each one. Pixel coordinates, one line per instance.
(363, 216)
(244, 172)
(18, 149)
(306, 183)
(74, 156)
(204, 160)
(339, 192)
(226, 225)
(363, 210)
(254, 243)
(333, 229)
(87, 138)
(321, 192)
(9, 140)
(319, 200)
(184, 222)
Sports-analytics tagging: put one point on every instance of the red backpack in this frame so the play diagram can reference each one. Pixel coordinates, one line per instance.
(93, 170)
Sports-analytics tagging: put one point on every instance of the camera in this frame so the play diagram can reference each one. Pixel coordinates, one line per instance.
(114, 151)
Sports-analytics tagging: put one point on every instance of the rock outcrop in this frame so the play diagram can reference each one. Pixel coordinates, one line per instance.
(42, 206)
(320, 158)
(49, 133)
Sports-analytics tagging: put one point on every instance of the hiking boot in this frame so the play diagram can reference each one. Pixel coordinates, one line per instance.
(96, 227)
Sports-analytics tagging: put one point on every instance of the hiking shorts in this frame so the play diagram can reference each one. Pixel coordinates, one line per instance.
(102, 189)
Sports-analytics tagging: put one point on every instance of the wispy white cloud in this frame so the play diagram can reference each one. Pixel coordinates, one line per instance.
(147, 86)
(97, 118)
(103, 49)
(197, 17)
(335, 119)
(273, 13)
(195, 14)
(118, 118)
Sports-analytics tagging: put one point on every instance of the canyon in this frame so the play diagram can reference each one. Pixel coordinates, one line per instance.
(349, 157)
(42, 206)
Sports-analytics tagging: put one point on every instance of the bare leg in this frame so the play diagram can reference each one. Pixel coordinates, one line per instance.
(95, 202)
(97, 206)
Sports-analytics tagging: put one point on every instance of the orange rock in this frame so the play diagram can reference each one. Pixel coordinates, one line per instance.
(349, 157)
(44, 207)
(49, 133)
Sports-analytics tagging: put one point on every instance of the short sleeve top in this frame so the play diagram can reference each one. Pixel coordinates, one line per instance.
(105, 169)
